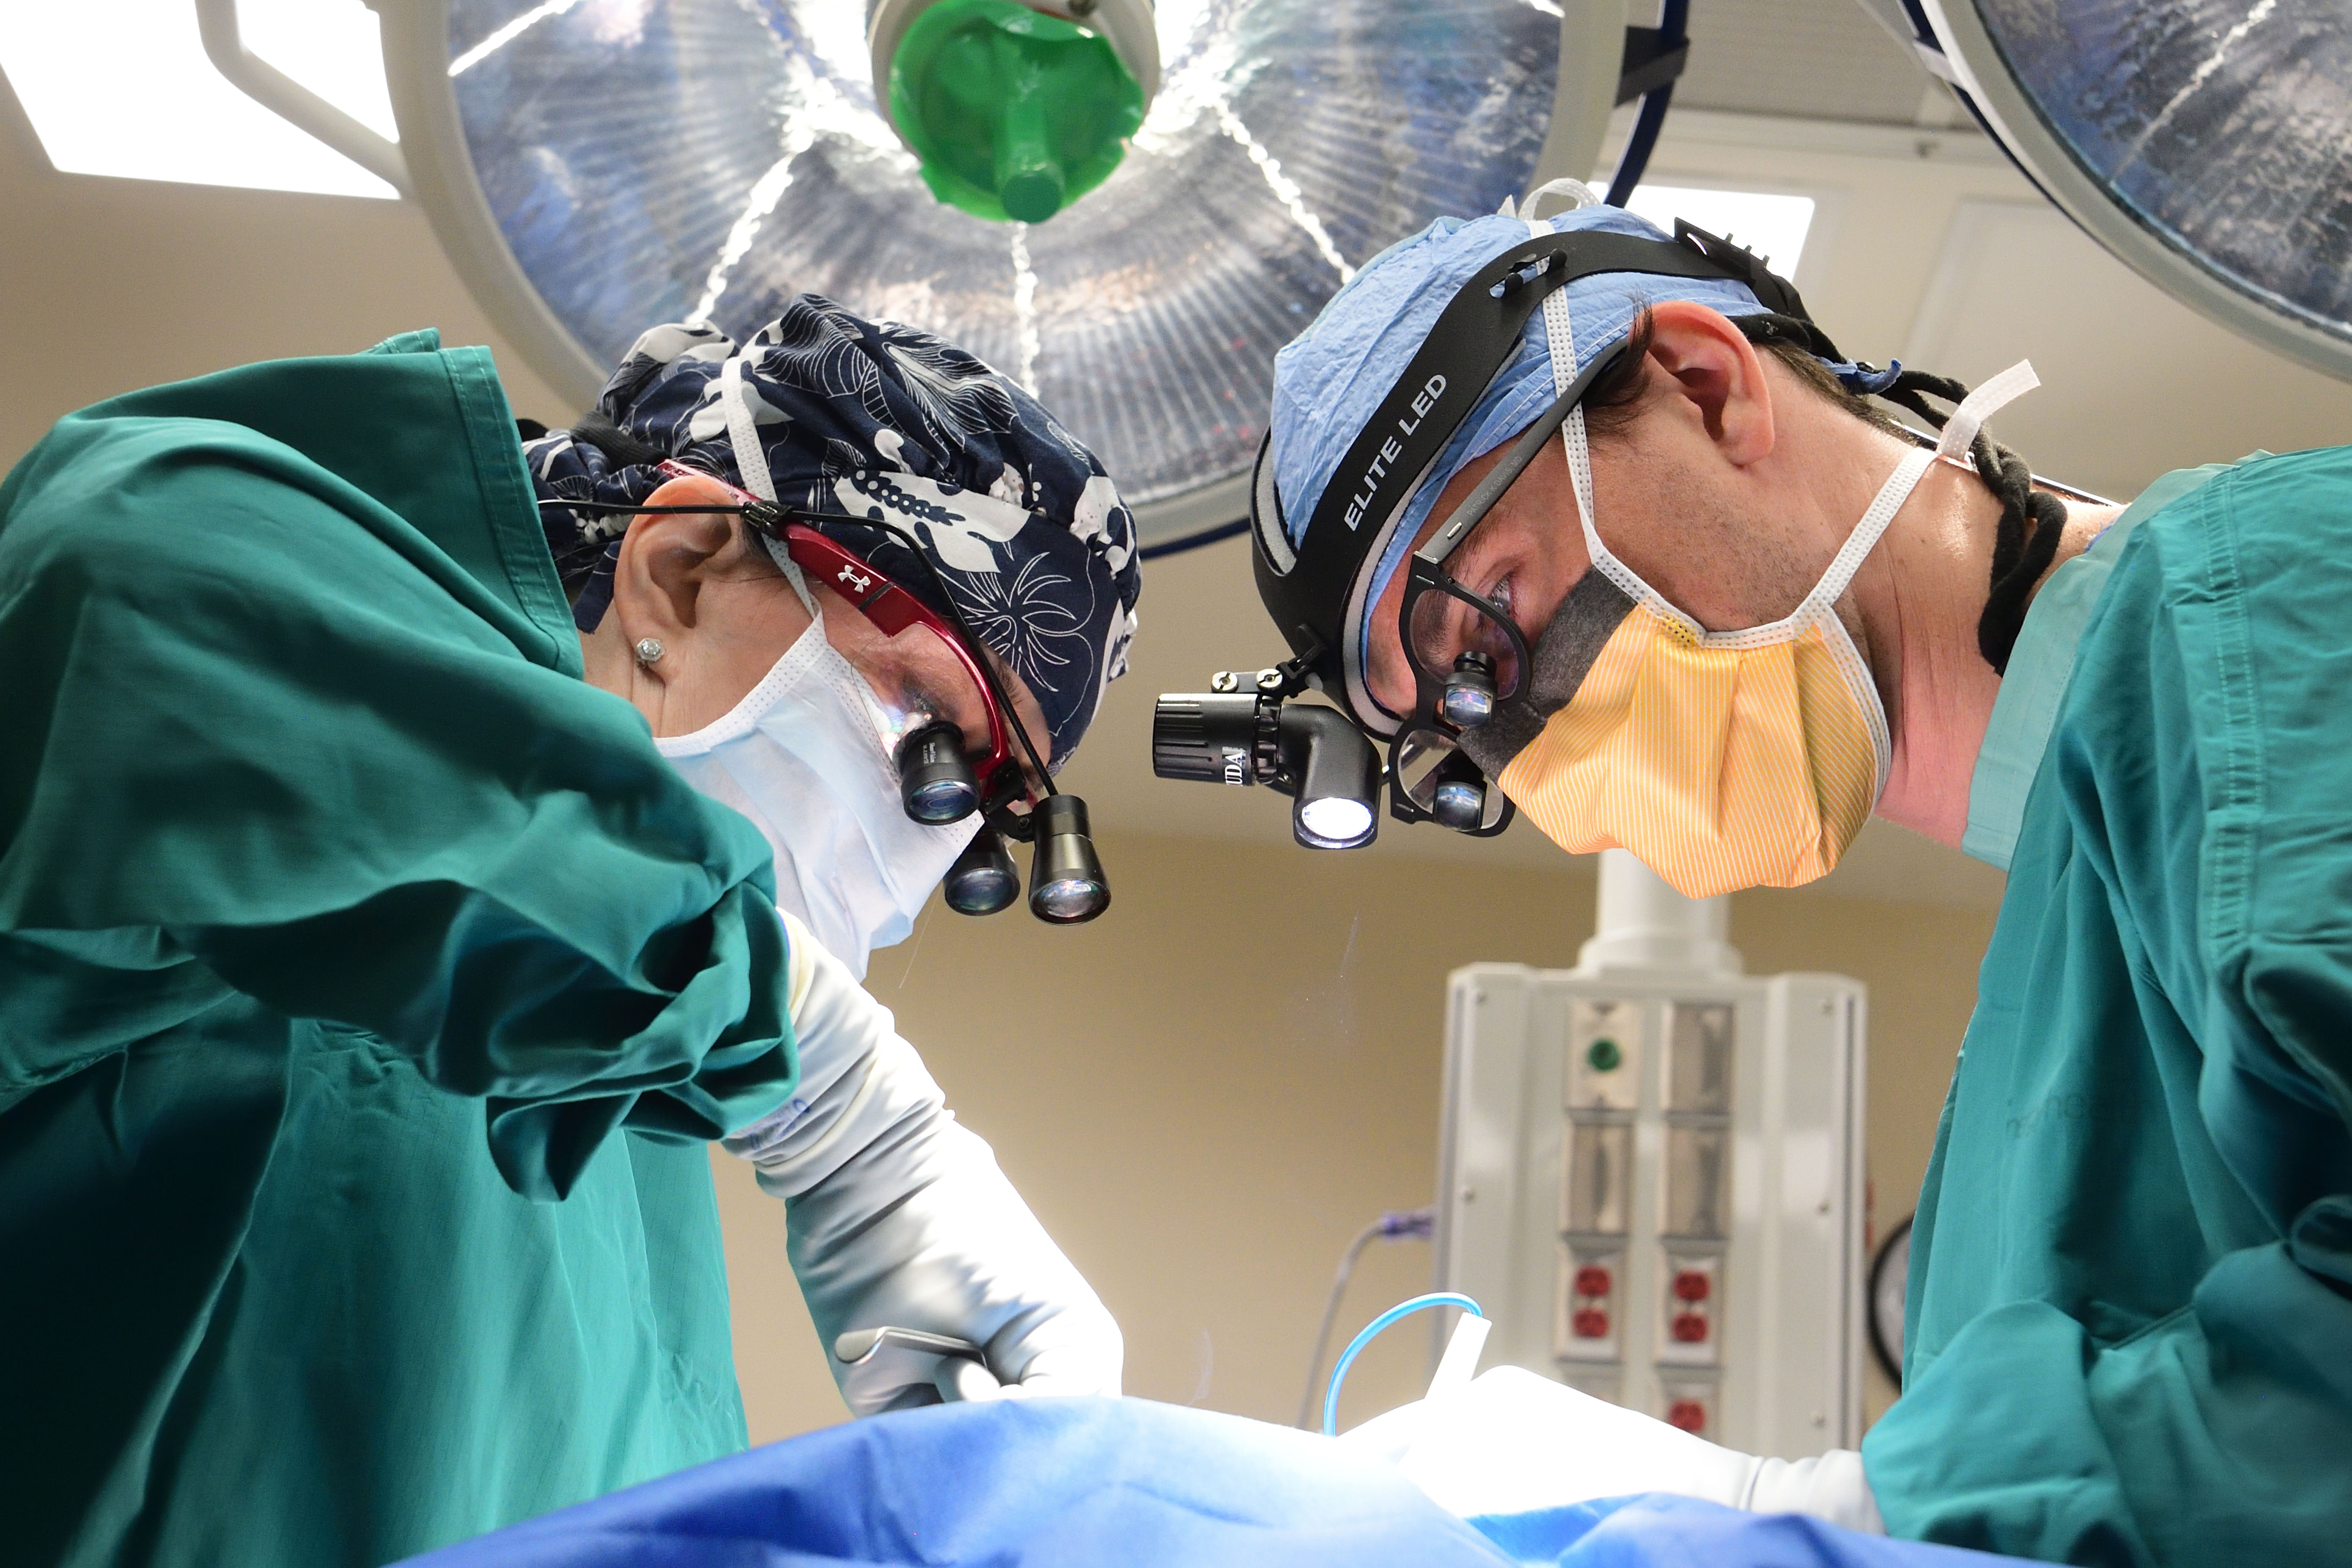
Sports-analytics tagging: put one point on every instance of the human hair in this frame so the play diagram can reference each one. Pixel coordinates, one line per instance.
(1616, 398)
(2031, 520)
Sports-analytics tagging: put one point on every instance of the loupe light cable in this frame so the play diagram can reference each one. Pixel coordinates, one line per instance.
(1365, 1336)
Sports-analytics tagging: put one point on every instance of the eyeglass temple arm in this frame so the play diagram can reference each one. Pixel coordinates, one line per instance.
(755, 511)
(1490, 490)
(955, 615)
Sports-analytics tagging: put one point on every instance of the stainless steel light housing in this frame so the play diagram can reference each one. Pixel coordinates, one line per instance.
(2201, 141)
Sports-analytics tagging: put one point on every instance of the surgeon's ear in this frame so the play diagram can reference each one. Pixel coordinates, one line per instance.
(666, 560)
(1716, 372)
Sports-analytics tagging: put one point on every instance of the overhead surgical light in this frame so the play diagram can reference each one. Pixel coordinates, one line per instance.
(2201, 141)
(122, 87)
(596, 166)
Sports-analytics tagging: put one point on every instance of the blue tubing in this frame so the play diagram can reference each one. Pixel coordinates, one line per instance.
(1364, 1337)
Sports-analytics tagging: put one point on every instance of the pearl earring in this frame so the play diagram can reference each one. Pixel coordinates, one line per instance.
(649, 650)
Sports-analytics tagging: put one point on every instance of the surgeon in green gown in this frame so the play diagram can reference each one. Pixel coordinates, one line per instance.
(371, 983)
(2130, 1327)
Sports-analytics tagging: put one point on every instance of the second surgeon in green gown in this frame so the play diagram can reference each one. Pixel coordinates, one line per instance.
(2130, 1327)
(371, 982)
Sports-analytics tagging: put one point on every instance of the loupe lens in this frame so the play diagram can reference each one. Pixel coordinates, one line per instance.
(1436, 776)
(935, 781)
(1469, 699)
(982, 879)
(1467, 707)
(1068, 899)
(1066, 880)
(1459, 804)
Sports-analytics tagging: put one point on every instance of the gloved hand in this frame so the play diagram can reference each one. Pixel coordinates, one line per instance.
(1511, 1442)
(897, 1217)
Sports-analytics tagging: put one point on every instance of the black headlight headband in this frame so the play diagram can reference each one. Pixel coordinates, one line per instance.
(1306, 588)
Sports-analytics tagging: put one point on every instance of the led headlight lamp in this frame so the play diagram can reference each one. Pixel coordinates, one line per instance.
(1315, 591)
(1242, 731)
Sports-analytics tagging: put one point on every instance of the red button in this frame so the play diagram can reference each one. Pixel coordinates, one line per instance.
(1592, 1281)
(1687, 1413)
(1690, 1286)
(1591, 1324)
(1690, 1328)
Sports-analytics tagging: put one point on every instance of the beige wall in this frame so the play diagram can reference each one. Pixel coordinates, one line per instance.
(1204, 1094)
(110, 285)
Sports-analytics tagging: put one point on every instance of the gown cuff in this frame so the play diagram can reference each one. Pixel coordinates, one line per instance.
(1831, 1486)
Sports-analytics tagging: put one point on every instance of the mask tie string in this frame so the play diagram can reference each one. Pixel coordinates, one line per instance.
(1960, 429)
(751, 461)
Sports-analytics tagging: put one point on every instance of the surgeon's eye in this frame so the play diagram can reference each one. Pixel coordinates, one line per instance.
(1486, 634)
(1500, 596)
(1446, 626)
(967, 711)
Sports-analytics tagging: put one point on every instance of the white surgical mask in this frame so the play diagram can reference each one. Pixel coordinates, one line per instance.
(802, 755)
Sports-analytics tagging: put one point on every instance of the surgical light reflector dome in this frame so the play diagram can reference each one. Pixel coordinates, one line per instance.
(2202, 142)
(597, 167)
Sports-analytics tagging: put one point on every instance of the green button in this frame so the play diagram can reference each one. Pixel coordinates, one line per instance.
(1602, 1054)
(1013, 113)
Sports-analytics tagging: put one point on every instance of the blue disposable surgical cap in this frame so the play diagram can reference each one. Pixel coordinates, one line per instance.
(1331, 379)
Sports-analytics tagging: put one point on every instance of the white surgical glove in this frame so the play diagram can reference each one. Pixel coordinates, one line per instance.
(1511, 1442)
(897, 1217)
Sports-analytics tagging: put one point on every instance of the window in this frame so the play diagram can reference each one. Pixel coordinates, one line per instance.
(1773, 226)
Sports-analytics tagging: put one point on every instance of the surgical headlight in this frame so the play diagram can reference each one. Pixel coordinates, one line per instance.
(1467, 658)
(1243, 732)
(1334, 821)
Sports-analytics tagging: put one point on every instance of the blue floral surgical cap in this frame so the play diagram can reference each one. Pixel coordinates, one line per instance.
(1328, 381)
(875, 420)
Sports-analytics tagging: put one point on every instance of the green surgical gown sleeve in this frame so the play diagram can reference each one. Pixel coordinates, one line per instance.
(367, 985)
(278, 734)
(2130, 1321)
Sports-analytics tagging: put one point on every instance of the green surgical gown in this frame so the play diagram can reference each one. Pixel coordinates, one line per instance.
(368, 988)
(2130, 1315)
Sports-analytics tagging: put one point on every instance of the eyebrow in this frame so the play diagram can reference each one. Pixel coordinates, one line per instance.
(915, 692)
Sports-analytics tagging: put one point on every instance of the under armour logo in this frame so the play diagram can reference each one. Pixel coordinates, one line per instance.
(857, 581)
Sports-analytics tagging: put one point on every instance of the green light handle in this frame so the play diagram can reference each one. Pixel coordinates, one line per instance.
(1029, 181)
(1015, 114)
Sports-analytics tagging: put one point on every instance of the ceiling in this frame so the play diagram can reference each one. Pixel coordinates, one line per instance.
(1825, 60)
(1926, 244)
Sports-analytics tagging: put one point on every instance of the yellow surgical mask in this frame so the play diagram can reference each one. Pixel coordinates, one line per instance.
(1720, 767)
(1722, 759)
